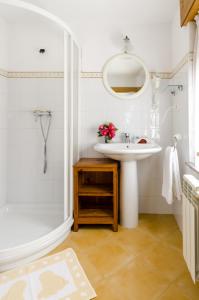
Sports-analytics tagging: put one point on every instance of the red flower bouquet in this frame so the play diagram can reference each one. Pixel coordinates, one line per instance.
(108, 131)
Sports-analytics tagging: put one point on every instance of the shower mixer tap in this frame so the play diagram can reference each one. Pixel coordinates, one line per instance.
(127, 138)
(40, 113)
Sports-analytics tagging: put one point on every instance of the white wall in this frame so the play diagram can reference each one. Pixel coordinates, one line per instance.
(152, 44)
(25, 179)
(100, 40)
(3, 130)
(182, 44)
(3, 111)
(150, 170)
(179, 40)
(100, 28)
(21, 152)
(131, 116)
(180, 48)
(103, 40)
(25, 40)
(180, 126)
(3, 44)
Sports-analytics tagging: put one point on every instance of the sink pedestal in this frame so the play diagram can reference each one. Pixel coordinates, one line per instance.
(128, 155)
(128, 194)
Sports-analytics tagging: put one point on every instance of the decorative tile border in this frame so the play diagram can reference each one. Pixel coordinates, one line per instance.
(7, 74)
(187, 58)
(3, 73)
(86, 75)
(35, 74)
(165, 75)
(100, 75)
(91, 75)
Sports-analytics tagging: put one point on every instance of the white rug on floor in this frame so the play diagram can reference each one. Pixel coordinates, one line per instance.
(56, 277)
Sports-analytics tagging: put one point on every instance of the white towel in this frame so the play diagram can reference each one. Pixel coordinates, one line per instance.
(171, 174)
(167, 175)
(176, 175)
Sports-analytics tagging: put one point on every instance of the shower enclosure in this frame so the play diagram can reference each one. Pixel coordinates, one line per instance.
(39, 84)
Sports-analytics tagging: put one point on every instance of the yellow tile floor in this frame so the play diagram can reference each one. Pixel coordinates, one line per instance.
(145, 263)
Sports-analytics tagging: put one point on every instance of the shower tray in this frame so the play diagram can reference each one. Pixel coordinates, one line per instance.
(27, 235)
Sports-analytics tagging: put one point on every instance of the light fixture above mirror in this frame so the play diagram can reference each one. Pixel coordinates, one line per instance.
(125, 75)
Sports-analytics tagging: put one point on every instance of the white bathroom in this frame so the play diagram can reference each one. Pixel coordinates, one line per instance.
(99, 174)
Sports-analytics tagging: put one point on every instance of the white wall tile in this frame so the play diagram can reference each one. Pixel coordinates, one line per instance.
(58, 192)
(3, 166)
(3, 135)
(133, 116)
(25, 143)
(154, 205)
(181, 126)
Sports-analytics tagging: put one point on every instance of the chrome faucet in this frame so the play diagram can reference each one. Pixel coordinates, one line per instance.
(127, 138)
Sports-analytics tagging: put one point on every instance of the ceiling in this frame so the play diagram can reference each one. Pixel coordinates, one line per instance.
(106, 11)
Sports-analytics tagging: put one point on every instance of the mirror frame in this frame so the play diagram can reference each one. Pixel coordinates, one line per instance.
(110, 90)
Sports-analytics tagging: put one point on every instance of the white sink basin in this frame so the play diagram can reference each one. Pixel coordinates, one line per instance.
(128, 154)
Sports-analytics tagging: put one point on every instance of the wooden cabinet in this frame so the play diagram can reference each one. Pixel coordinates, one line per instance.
(188, 10)
(96, 192)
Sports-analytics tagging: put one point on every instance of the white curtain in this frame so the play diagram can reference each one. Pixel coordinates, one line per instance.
(194, 104)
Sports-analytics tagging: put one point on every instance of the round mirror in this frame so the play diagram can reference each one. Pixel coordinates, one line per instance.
(125, 76)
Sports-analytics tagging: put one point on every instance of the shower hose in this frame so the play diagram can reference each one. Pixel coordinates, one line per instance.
(45, 138)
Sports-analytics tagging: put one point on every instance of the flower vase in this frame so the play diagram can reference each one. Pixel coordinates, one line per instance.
(106, 139)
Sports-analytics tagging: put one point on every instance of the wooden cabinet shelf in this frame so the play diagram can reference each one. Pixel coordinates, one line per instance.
(98, 212)
(96, 192)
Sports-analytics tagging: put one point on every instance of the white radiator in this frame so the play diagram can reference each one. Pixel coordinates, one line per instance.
(191, 224)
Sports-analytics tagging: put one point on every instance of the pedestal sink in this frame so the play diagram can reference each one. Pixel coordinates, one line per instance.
(128, 154)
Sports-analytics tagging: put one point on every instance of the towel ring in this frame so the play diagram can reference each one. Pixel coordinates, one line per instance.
(175, 142)
(176, 138)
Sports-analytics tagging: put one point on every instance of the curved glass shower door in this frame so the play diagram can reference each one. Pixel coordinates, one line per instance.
(36, 129)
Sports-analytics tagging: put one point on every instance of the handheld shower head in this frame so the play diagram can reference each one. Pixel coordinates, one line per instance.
(39, 114)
